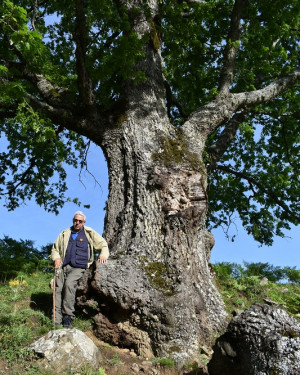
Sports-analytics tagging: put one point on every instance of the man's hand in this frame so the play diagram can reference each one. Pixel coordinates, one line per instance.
(101, 259)
(57, 263)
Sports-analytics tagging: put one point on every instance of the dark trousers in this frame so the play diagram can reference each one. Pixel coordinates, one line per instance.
(65, 291)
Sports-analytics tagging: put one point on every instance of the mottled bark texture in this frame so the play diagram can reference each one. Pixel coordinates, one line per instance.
(263, 340)
(156, 293)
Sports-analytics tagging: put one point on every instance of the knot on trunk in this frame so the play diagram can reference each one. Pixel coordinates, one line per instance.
(182, 192)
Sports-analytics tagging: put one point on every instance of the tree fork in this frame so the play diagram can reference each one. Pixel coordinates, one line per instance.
(157, 293)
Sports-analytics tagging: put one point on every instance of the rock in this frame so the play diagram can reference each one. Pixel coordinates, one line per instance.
(264, 281)
(66, 350)
(262, 340)
(135, 368)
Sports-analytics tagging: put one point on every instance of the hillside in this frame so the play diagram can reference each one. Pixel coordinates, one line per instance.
(26, 308)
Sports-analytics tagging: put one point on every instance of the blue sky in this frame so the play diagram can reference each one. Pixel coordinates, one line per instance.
(33, 223)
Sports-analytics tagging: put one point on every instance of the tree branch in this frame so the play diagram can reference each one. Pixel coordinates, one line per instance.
(48, 92)
(34, 12)
(217, 150)
(171, 100)
(14, 187)
(205, 120)
(86, 94)
(262, 188)
(59, 115)
(231, 47)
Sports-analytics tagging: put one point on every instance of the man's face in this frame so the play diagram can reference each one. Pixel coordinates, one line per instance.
(78, 222)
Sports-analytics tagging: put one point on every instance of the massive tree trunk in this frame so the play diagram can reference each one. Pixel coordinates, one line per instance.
(157, 290)
(159, 277)
(158, 282)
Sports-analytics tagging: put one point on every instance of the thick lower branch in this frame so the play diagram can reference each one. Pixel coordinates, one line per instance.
(205, 120)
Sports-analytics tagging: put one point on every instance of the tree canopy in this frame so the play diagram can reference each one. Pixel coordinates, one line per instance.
(60, 60)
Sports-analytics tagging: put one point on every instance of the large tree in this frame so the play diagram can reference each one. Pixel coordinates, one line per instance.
(195, 105)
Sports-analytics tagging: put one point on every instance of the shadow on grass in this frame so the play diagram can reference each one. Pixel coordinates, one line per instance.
(42, 302)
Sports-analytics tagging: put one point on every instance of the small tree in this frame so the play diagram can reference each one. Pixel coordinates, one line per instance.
(16, 256)
(272, 273)
(292, 274)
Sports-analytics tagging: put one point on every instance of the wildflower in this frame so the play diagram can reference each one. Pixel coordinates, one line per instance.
(14, 283)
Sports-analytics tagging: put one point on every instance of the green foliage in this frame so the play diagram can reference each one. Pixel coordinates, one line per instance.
(20, 324)
(165, 362)
(242, 286)
(35, 157)
(21, 256)
(225, 270)
(292, 275)
(259, 178)
(272, 273)
(115, 360)
(265, 157)
(26, 302)
(26, 308)
(262, 187)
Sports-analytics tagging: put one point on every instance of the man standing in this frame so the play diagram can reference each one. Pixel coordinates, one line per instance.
(72, 253)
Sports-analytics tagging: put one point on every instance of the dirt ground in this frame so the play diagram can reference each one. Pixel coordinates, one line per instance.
(118, 361)
(115, 361)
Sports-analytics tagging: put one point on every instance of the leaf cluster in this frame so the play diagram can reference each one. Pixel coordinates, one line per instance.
(260, 182)
(261, 178)
(39, 39)
(195, 36)
(275, 274)
(34, 162)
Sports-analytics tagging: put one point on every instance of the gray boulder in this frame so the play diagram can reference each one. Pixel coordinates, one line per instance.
(66, 350)
(262, 340)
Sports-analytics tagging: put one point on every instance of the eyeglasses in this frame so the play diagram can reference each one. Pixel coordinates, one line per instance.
(79, 221)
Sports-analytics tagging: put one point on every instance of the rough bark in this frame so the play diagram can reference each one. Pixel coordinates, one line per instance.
(157, 289)
(156, 293)
(157, 286)
(262, 340)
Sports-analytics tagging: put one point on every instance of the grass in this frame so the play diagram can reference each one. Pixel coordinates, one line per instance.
(241, 294)
(164, 362)
(26, 314)
(115, 360)
(26, 309)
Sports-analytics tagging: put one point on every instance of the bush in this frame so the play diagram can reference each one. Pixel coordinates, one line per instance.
(292, 275)
(21, 256)
(272, 273)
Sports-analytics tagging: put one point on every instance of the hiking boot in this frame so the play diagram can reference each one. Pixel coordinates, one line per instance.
(67, 321)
